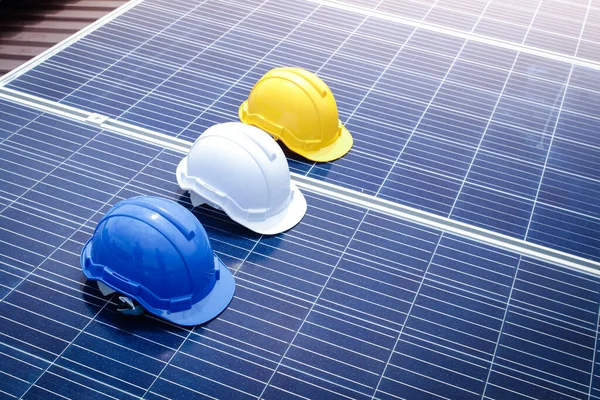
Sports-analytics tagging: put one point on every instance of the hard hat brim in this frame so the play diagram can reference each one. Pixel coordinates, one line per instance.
(209, 307)
(205, 310)
(283, 221)
(336, 150)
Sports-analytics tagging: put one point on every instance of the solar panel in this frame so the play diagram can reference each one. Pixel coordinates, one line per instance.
(352, 302)
(319, 312)
(451, 126)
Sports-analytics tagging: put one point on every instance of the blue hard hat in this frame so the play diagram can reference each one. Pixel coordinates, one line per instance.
(156, 252)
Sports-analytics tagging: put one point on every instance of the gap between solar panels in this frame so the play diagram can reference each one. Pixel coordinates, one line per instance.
(345, 195)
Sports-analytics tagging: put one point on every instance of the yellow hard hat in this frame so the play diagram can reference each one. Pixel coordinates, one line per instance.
(295, 106)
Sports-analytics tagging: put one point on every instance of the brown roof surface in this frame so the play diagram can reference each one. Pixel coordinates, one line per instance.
(29, 27)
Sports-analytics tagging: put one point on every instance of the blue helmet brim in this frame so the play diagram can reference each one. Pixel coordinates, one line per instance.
(209, 307)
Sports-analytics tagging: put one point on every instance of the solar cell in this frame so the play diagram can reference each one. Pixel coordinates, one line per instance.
(350, 303)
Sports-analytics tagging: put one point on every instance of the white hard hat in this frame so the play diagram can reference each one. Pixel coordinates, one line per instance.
(241, 170)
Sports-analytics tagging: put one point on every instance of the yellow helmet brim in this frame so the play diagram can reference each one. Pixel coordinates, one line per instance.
(332, 152)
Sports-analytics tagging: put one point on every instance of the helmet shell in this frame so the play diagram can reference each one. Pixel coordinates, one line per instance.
(298, 108)
(241, 170)
(155, 251)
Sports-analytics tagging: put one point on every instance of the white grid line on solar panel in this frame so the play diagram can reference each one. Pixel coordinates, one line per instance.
(551, 300)
(28, 344)
(9, 395)
(427, 377)
(567, 353)
(98, 372)
(481, 140)
(241, 342)
(367, 302)
(490, 295)
(454, 317)
(289, 393)
(347, 364)
(558, 194)
(435, 341)
(315, 385)
(13, 376)
(355, 325)
(519, 10)
(514, 305)
(311, 308)
(547, 380)
(396, 396)
(148, 40)
(561, 282)
(508, 390)
(402, 269)
(396, 161)
(56, 374)
(553, 135)
(220, 366)
(551, 228)
(184, 387)
(450, 371)
(448, 351)
(215, 101)
(488, 249)
(322, 378)
(441, 278)
(358, 286)
(494, 370)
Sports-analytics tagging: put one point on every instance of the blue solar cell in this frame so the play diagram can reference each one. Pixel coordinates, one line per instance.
(407, 84)
(382, 30)
(556, 23)
(492, 209)
(469, 6)
(406, 8)
(575, 157)
(451, 19)
(542, 68)
(466, 99)
(505, 174)
(456, 127)
(570, 192)
(581, 101)
(516, 142)
(496, 29)
(434, 42)
(565, 230)
(552, 42)
(438, 156)
(420, 61)
(424, 190)
(477, 76)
